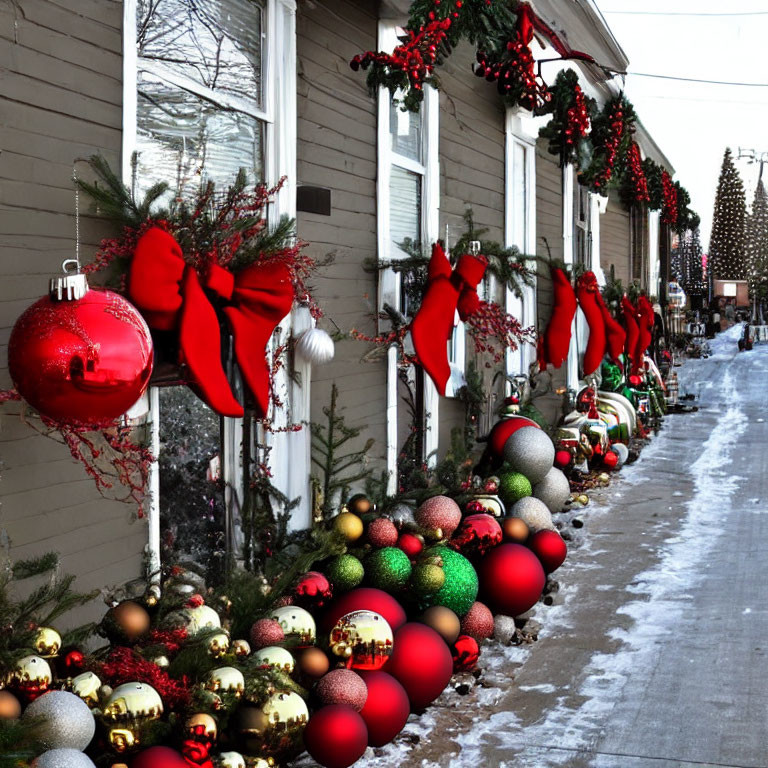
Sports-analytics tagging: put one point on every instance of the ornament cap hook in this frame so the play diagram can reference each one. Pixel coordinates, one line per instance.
(73, 285)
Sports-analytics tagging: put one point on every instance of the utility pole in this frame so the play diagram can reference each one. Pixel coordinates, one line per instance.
(754, 156)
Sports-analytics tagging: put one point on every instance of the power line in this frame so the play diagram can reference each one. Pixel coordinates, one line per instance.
(684, 13)
(695, 80)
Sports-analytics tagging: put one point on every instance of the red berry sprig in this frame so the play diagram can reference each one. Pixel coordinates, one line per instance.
(637, 180)
(577, 120)
(669, 211)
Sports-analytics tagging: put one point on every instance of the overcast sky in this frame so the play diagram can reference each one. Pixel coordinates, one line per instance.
(694, 122)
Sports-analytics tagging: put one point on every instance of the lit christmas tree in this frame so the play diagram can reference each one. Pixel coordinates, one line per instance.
(692, 272)
(757, 235)
(727, 245)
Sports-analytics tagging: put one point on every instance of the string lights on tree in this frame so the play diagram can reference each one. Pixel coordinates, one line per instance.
(727, 245)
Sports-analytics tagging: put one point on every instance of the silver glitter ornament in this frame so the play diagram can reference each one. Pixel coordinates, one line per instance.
(66, 721)
(63, 758)
(534, 513)
(402, 516)
(553, 490)
(530, 451)
(504, 629)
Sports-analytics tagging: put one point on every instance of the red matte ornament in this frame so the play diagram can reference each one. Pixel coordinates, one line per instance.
(587, 292)
(421, 662)
(557, 338)
(502, 431)
(476, 535)
(81, 362)
(550, 548)
(159, 757)
(386, 709)
(410, 544)
(562, 459)
(447, 290)
(336, 736)
(465, 653)
(511, 579)
(610, 460)
(365, 599)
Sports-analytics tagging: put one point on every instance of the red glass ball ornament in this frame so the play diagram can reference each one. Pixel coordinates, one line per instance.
(336, 736)
(465, 652)
(635, 381)
(386, 709)
(364, 599)
(562, 459)
(477, 535)
(313, 590)
(159, 757)
(410, 544)
(550, 548)
(501, 432)
(381, 533)
(421, 662)
(610, 460)
(511, 579)
(83, 362)
(478, 622)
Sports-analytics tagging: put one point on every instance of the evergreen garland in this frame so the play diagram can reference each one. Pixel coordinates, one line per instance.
(652, 171)
(572, 113)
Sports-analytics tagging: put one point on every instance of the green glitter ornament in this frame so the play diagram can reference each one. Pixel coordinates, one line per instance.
(345, 572)
(460, 588)
(388, 569)
(427, 579)
(513, 486)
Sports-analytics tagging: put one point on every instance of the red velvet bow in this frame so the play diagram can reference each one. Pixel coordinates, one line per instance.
(170, 295)
(447, 290)
(528, 21)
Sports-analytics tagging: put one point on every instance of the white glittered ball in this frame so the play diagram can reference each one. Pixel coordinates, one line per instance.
(66, 721)
(315, 346)
(553, 490)
(534, 513)
(63, 758)
(621, 451)
(530, 451)
(504, 629)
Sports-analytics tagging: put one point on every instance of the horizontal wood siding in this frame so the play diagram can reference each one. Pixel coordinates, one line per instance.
(549, 244)
(615, 240)
(337, 150)
(61, 94)
(472, 148)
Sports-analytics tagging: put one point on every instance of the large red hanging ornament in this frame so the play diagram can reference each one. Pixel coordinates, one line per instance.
(336, 736)
(159, 757)
(511, 579)
(421, 662)
(80, 356)
(550, 548)
(386, 709)
(476, 535)
(365, 599)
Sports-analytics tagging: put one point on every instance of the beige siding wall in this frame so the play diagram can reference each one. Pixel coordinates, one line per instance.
(61, 95)
(615, 240)
(471, 176)
(337, 149)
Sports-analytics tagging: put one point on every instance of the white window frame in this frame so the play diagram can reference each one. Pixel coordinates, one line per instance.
(520, 132)
(654, 267)
(278, 112)
(389, 289)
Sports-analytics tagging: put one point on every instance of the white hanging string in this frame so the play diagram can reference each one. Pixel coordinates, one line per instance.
(77, 217)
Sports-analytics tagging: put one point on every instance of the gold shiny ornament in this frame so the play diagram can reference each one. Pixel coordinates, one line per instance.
(129, 707)
(349, 525)
(363, 639)
(584, 499)
(202, 724)
(85, 685)
(226, 680)
(47, 642)
(119, 765)
(218, 644)
(313, 663)
(231, 760)
(274, 657)
(31, 676)
(444, 621)
(10, 707)
(274, 728)
(297, 624)
(241, 648)
(201, 617)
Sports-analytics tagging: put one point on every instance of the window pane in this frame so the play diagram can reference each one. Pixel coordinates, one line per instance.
(217, 43)
(184, 139)
(405, 206)
(519, 197)
(405, 130)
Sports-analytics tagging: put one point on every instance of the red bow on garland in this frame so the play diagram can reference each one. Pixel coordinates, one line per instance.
(447, 290)
(169, 293)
